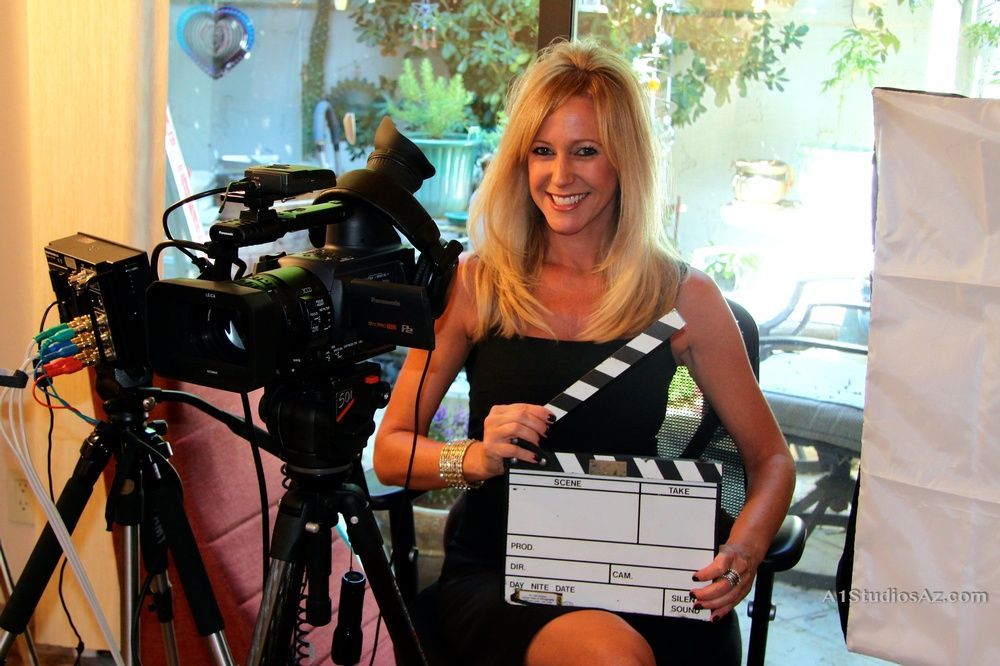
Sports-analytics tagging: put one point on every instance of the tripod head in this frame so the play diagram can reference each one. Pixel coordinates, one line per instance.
(319, 426)
(124, 393)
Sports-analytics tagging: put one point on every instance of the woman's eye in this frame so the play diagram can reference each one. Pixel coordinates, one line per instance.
(541, 150)
(587, 151)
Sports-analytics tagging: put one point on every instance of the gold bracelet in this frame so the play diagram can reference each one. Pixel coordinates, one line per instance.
(450, 463)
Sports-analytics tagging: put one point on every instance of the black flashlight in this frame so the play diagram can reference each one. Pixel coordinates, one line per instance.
(347, 636)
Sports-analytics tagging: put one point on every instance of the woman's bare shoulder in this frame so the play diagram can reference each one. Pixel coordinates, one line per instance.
(704, 310)
(699, 297)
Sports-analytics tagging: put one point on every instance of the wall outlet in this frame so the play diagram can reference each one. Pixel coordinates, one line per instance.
(20, 500)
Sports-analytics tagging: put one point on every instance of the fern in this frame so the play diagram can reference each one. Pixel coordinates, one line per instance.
(427, 103)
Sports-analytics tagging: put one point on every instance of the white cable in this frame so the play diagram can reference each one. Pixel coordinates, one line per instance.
(21, 451)
(19, 446)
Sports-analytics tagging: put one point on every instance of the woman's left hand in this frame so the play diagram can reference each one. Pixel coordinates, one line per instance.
(726, 589)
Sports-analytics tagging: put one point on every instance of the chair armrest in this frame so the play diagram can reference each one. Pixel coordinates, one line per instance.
(784, 553)
(770, 341)
(787, 546)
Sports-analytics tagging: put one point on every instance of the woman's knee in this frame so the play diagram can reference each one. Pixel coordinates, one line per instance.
(589, 637)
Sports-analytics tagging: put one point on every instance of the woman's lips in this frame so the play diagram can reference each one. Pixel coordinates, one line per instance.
(566, 202)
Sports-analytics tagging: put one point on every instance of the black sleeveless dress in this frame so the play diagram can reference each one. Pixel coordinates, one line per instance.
(479, 626)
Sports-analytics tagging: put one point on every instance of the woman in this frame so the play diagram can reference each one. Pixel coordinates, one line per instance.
(569, 263)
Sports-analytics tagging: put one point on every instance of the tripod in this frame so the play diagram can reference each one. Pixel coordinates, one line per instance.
(145, 497)
(320, 428)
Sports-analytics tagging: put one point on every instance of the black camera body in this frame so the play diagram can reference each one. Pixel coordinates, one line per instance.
(358, 294)
(300, 315)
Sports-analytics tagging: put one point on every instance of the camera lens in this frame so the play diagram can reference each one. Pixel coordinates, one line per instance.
(224, 333)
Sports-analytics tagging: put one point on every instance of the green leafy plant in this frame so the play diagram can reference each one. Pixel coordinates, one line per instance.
(428, 103)
(861, 52)
(725, 47)
(726, 268)
(682, 392)
(984, 35)
(486, 42)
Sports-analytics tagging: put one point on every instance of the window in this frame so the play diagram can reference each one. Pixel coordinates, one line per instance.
(765, 116)
(255, 82)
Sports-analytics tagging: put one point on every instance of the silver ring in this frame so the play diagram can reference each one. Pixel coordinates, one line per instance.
(733, 577)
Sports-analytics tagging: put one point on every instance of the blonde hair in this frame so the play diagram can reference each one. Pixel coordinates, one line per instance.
(640, 271)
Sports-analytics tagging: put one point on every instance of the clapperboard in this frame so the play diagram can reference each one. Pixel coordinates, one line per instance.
(621, 533)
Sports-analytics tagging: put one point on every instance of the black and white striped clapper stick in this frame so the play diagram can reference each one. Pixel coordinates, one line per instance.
(638, 467)
(628, 355)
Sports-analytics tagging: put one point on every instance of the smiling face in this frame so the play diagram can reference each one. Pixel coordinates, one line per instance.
(571, 178)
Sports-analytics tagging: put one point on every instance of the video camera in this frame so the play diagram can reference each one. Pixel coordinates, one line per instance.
(359, 293)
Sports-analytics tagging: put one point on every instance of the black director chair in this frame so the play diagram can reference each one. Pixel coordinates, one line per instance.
(691, 429)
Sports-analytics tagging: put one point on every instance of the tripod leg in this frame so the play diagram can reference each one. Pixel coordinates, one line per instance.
(167, 508)
(129, 549)
(153, 546)
(367, 543)
(37, 572)
(162, 595)
(272, 634)
(29, 655)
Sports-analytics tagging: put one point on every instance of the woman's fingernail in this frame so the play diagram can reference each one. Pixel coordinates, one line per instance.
(693, 598)
(695, 578)
(552, 418)
(715, 618)
(697, 607)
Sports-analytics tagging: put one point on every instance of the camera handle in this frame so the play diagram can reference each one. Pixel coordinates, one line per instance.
(146, 491)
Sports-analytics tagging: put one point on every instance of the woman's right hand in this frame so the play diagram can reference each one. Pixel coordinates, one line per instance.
(504, 425)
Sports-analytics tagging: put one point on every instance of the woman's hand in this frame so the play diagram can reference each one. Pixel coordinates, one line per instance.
(726, 589)
(504, 425)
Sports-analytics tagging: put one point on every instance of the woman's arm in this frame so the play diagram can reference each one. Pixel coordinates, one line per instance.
(394, 441)
(712, 348)
(394, 444)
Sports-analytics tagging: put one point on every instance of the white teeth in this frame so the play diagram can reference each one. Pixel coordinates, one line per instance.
(568, 201)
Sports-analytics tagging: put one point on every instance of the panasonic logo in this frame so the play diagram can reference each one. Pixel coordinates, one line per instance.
(382, 301)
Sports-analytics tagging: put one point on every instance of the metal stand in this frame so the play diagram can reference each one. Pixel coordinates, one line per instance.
(321, 428)
(145, 497)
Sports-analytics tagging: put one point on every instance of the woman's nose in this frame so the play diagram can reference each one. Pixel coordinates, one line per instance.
(562, 171)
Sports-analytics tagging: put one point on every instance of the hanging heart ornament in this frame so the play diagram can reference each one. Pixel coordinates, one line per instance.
(216, 38)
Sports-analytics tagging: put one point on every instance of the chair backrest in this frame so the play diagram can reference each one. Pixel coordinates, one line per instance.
(691, 428)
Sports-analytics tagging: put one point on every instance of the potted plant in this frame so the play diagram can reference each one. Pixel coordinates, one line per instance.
(486, 42)
(434, 112)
